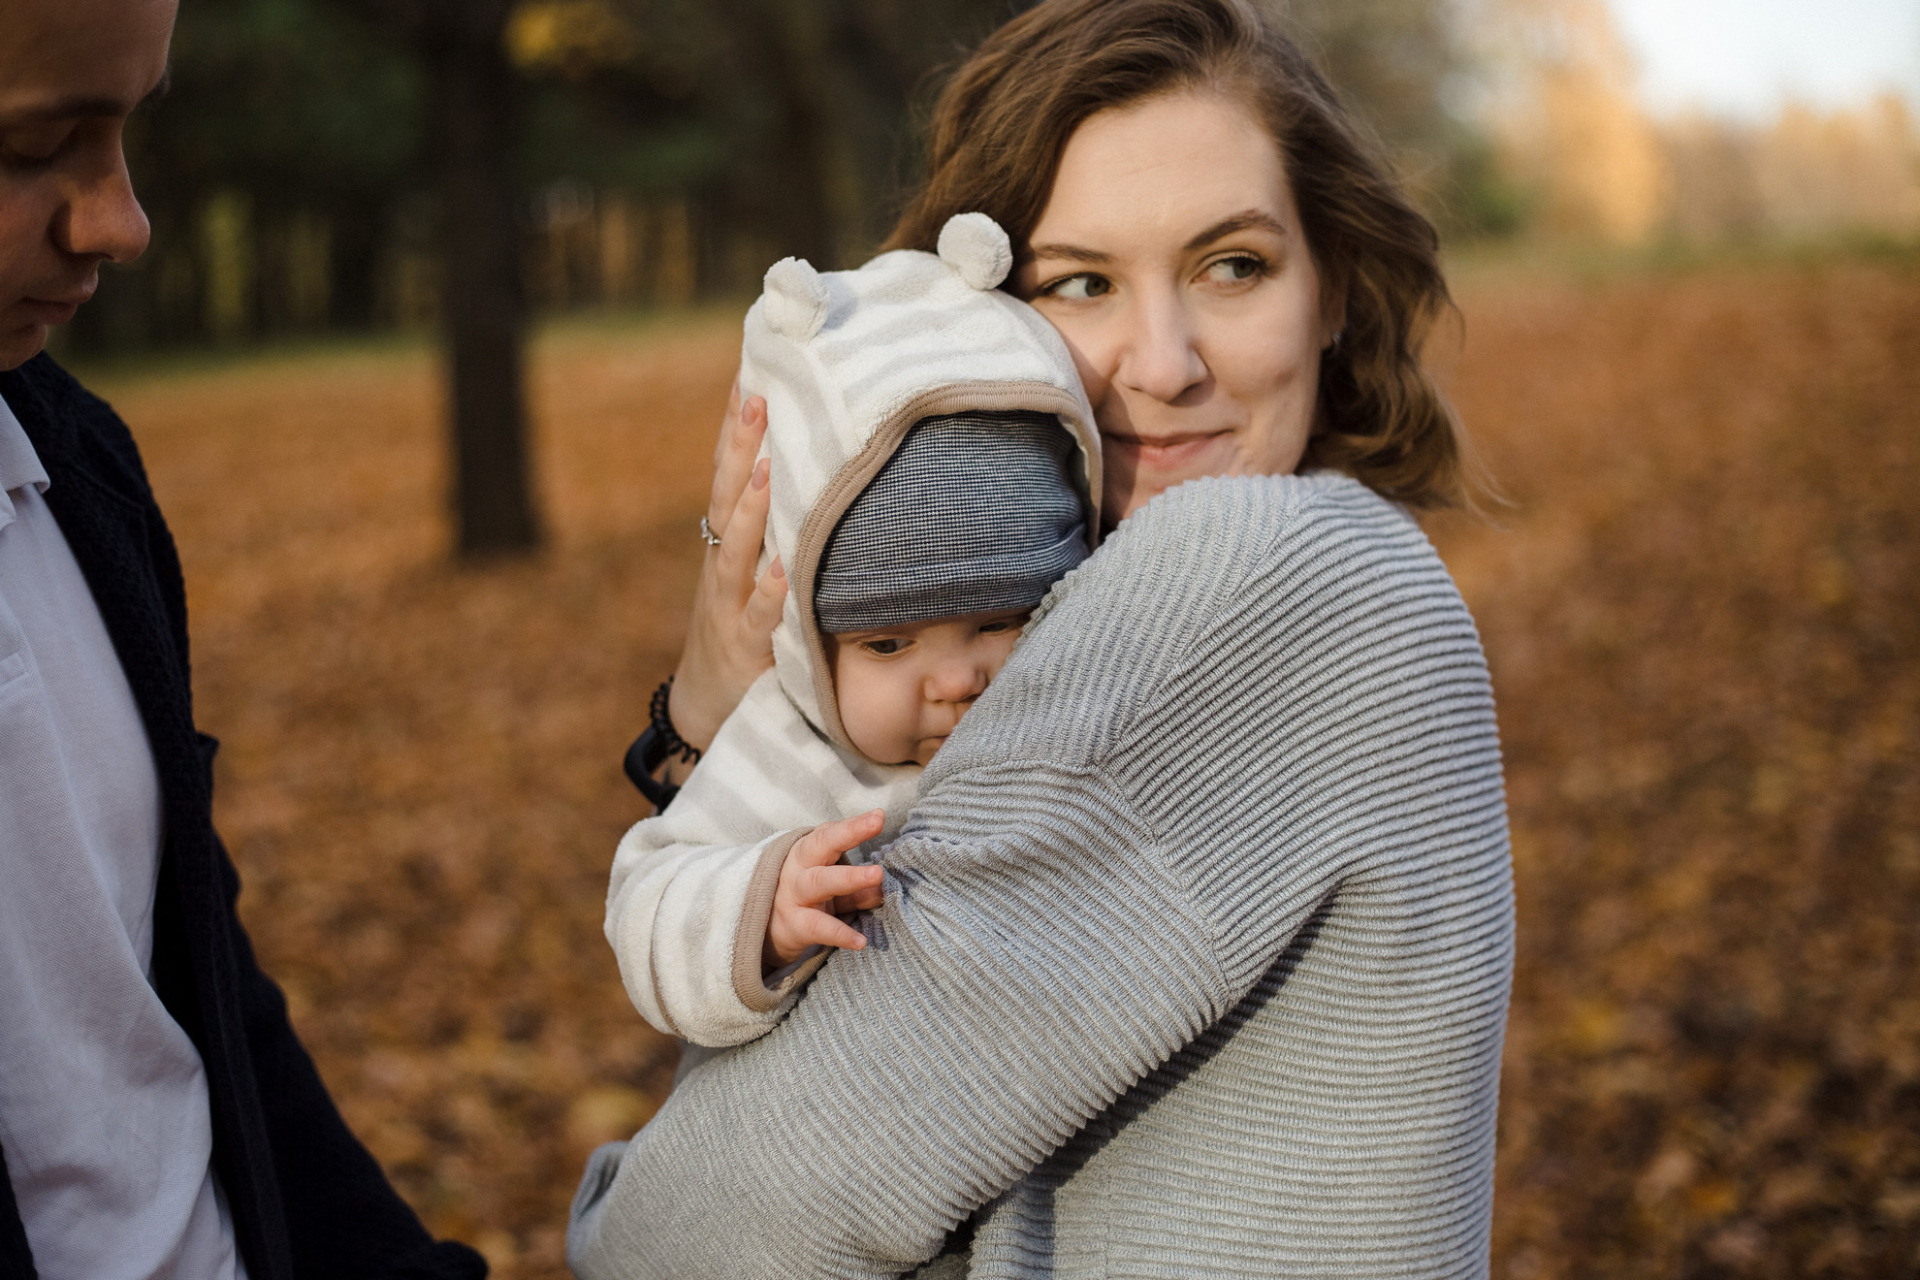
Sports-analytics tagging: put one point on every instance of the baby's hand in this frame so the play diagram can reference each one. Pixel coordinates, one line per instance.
(815, 889)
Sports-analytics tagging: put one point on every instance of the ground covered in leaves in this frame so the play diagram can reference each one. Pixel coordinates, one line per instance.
(1704, 627)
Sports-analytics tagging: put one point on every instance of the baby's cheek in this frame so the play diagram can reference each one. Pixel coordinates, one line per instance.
(998, 662)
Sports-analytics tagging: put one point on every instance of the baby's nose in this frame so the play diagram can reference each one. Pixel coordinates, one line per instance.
(958, 681)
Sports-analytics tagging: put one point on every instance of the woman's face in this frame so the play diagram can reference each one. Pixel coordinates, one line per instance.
(1171, 258)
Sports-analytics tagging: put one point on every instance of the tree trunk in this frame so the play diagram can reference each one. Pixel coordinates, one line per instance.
(782, 46)
(353, 260)
(473, 94)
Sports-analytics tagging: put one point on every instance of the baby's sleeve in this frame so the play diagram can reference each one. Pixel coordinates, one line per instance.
(674, 924)
(683, 882)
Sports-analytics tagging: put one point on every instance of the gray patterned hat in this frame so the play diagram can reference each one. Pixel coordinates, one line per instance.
(974, 513)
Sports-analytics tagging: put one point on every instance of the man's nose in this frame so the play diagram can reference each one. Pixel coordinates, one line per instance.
(103, 218)
(1160, 356)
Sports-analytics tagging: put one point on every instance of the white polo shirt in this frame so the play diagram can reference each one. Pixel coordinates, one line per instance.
(103, 1100)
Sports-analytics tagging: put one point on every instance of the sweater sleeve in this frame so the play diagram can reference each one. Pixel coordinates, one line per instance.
(684, 881)
(1104, 858)
(1007, 996)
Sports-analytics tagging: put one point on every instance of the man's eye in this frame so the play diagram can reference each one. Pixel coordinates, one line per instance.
(35, 144)
(1079, 288)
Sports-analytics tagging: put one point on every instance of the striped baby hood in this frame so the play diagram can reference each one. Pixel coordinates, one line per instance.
(849, 361)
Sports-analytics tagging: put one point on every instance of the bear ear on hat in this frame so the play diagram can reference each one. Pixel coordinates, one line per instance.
(795, 302)
(975, 246)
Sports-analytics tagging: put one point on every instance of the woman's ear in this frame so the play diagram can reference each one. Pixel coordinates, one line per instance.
(1334, 282)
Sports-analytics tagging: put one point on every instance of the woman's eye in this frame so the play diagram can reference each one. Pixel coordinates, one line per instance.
(1080, 287)
(1236, 269)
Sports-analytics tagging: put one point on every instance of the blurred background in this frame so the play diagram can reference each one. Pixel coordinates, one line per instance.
(427, 357)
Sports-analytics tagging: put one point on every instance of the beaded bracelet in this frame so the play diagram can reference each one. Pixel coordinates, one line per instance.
(658, 743)
(671, 743)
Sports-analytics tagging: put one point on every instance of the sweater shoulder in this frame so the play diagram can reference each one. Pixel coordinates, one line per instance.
(1104, 647)
(1182, 567)
(1210, 534)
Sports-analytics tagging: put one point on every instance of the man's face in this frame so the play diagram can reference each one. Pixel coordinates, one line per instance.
(71, 72)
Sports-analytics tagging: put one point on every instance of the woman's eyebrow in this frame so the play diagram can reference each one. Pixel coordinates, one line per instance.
(1072, 253)
(1250, 220)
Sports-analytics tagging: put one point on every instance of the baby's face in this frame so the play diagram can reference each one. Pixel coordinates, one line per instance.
(903, 689)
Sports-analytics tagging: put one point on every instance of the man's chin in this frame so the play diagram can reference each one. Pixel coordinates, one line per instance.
(21, 343)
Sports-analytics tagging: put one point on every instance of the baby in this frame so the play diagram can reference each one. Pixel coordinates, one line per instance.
(934, 463)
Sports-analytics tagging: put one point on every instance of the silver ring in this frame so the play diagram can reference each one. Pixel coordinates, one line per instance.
(706, 533)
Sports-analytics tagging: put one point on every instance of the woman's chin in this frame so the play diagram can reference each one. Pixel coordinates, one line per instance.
(1137, 473)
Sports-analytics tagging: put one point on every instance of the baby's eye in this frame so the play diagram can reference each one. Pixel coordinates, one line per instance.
(885, 647)
(1234, 270)
(1079, 288)
(999, 626)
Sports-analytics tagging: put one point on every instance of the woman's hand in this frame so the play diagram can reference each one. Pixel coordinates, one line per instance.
(730, 637)
(816, 888)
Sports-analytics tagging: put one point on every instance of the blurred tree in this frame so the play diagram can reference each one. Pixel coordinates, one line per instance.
(1394, 60)
(1566, 112)
(785, 120)
(1408, 68)
(471, 140)
(313, 124)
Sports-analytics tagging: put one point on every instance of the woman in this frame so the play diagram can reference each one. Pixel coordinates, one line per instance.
(1196, 951)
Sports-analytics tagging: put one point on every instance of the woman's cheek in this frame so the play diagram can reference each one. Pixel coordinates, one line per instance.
(1090, 341)
(1278, 379)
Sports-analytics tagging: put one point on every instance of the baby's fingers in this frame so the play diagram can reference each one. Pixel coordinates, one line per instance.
(865, 900)
(818, 929)
(826, 843)
(816, 885)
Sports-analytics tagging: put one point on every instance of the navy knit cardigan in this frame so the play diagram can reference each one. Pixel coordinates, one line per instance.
(307, 1199)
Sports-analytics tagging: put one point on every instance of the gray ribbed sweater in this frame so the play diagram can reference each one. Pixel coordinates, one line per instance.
(1195, 953)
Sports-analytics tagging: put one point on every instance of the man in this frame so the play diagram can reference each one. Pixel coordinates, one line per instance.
(158, 1117)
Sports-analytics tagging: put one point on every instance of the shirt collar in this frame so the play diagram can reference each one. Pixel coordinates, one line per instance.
(19, 464)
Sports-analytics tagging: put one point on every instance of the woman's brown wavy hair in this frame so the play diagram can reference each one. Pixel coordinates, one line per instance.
(1001, 123)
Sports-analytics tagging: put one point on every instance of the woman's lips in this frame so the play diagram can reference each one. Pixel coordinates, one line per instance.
(1165, 453)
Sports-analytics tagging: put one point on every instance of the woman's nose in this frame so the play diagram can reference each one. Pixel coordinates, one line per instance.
(103, 218)
(1160, 357)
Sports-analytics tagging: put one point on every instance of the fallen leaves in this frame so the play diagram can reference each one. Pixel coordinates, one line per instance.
(1705, 638)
